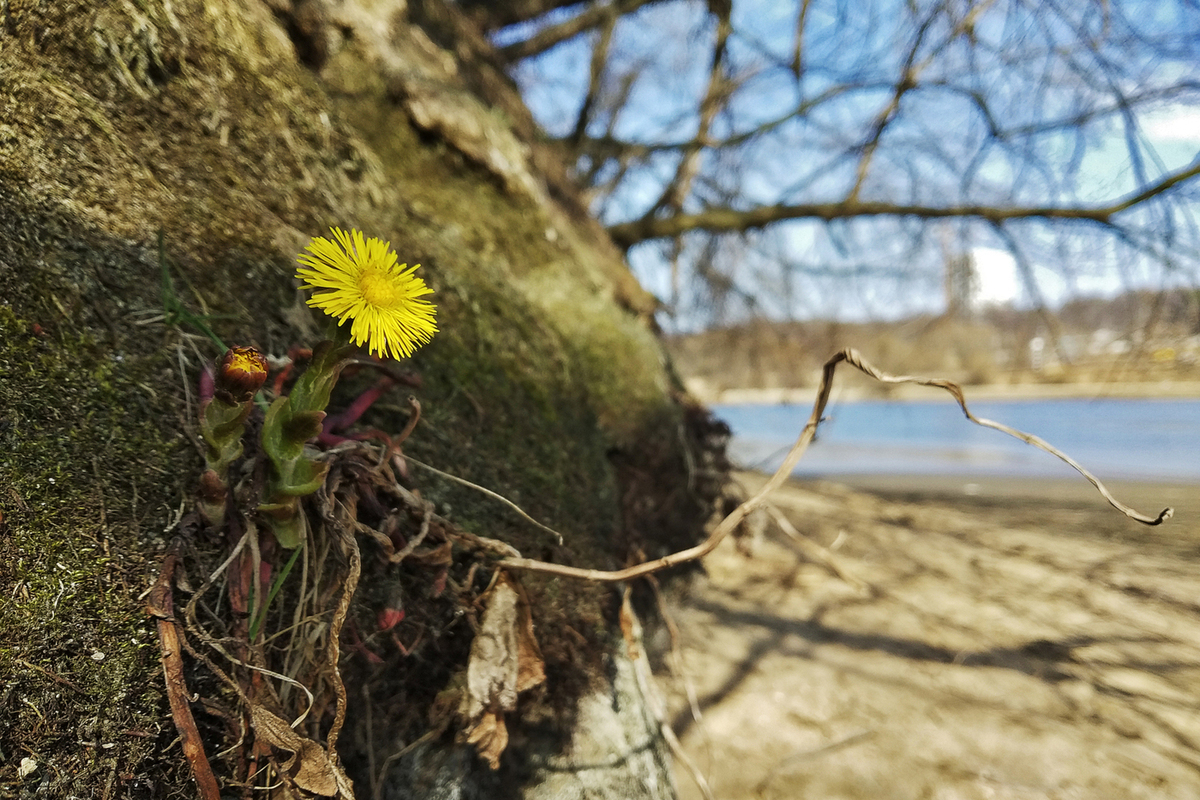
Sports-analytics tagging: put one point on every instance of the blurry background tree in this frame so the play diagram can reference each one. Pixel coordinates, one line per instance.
(814, 158)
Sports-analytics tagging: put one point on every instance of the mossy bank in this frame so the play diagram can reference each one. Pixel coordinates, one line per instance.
(238, 133)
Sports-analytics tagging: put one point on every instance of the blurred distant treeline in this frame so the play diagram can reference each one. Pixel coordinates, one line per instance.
(1134, 337)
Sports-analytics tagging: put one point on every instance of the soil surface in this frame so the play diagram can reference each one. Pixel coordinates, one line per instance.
(1005, 639)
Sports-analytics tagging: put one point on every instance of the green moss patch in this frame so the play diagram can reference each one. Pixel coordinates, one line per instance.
(85, 482)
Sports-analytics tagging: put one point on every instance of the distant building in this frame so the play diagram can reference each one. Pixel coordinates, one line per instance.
(961, 285)
(1037, 353)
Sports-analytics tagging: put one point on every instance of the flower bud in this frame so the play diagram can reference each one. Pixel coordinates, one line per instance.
(240, 374)
(212, 495)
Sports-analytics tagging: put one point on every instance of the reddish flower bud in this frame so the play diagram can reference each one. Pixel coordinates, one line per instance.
(388, 618)
(212, 497)
(240, 374)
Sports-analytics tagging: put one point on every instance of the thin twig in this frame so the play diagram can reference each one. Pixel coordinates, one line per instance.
(852, 357)
(408, 549)
(693, 771)
(727, 525)
(428, 736)
(813, 550)
(489, 493)
(53, 676)
(413, 418)
(805, 755)
(676, 660)
(631, 627)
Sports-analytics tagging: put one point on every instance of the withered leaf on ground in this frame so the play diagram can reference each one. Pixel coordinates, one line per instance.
(490, 737)
(310, 766)
(505, 660)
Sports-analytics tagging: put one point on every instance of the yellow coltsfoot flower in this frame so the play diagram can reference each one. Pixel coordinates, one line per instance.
(382, 299)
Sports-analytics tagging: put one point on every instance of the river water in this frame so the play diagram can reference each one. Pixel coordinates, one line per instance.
(1138, 439)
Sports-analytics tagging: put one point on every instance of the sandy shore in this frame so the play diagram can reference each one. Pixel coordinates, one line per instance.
(947, 638)
(991, 494)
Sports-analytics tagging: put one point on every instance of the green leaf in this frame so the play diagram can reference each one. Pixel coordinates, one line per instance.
(302, 426)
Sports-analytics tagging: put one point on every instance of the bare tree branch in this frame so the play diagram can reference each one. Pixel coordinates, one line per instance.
(881, 116)
(720, 220)
(798, 52)
(592, 17)
(500, 13)
(714, 97)
(595, 76)
(907, 81)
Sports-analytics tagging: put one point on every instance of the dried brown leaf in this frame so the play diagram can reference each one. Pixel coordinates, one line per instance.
(505, 660)
(312, 770)
(310, 766)
(274, 730)
(531, 667)
(492, 670)
(490, 737)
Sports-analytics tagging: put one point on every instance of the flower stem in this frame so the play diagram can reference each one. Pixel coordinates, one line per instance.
(290, 423)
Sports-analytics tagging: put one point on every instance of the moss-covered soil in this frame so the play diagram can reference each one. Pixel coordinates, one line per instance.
(196, 119)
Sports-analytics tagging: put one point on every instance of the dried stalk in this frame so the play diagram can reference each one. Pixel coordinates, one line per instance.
(852, 357)
(631, 627)
(849, 356)
(676, 660)
(162, 606)
(350, 550)
(489, 493)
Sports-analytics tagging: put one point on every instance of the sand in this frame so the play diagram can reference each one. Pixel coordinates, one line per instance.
(989, 638)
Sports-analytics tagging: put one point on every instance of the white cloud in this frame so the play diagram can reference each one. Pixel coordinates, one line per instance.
(996, 273)
(1181, 124)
